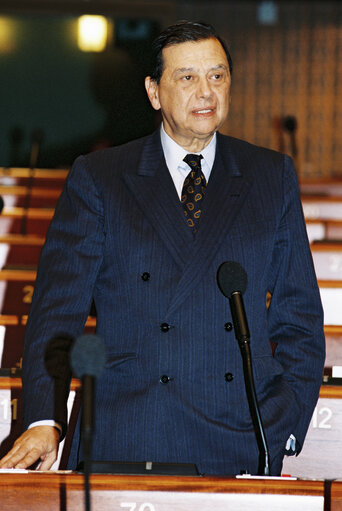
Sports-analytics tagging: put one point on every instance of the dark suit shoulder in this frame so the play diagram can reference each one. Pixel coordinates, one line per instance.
(106, 166)
(120, 154)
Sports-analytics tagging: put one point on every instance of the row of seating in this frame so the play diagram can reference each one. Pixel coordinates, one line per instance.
(30, 197)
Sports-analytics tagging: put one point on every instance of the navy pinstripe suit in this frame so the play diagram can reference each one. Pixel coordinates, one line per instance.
(119, 237)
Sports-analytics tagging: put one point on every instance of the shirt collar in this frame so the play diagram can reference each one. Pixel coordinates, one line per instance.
(174, 153)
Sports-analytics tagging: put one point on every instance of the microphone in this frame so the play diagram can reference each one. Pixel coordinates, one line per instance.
(37, 137)
(56, 356)
(56, 360)
(232, 281)
(87, 357)
(290, 125)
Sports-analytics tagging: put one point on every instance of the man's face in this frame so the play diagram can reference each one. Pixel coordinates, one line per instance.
(193, 93)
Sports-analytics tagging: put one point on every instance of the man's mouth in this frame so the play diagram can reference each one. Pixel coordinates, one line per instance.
(204, 111)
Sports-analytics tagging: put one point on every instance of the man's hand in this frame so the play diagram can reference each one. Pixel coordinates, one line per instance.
(37, 443)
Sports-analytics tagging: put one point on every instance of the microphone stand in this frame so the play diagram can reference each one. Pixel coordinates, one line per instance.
(263, 468)
(87, 430)
(243, 338)
(87, 357)
(36, 140)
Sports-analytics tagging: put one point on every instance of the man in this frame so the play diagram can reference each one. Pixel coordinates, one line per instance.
(173, 387)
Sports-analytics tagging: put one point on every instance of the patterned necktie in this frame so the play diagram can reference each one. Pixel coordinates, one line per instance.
(193, 190)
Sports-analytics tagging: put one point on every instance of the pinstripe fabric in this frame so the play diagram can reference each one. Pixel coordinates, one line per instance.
(118, 217)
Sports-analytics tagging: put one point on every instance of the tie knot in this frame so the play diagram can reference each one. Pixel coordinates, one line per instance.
(193, 160)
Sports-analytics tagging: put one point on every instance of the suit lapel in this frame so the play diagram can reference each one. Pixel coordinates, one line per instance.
(155, 192)
(226, 192)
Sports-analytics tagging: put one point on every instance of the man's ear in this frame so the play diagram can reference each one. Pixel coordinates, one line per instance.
(152, 90)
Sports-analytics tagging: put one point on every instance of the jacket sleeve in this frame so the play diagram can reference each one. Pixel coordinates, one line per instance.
(295, 316)
(68, 266)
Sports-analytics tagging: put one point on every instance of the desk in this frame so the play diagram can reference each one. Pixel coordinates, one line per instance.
(63, 492)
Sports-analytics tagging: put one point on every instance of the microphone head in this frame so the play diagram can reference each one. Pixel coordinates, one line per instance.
(290, 123)
(56, 356)
(231, 278)
(87, 356)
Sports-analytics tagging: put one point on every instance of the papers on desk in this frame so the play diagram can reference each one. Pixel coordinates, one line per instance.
(249, 476)
(13, 471)
(337, 372)
(25, 471)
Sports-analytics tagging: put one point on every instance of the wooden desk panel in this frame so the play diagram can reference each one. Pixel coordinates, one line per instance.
(336, 495)
(35, 197)
(158, 493)
(32, 213)
(321, 454)
(323, 208)
(16, 290)
(320, 229)
(327, 258)
(331, 296)
(27, 221)
(24, 173)
(323, 229)
(331, 186)
(333, 338)
(20, 250)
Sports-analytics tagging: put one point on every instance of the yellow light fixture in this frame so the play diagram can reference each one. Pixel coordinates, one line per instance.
(7, 33)
(92, 33)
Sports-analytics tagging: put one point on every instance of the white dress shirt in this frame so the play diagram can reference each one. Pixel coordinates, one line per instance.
(174, 155)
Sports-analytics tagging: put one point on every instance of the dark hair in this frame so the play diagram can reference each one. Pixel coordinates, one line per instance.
(182, 32)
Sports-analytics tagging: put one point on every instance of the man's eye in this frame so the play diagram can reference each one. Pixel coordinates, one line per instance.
(187, 77)
(217, 76)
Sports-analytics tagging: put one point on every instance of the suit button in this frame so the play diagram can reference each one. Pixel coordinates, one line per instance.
(165, 327)
(164, 379)
(228, 326)
(145, 276)
(229, 377)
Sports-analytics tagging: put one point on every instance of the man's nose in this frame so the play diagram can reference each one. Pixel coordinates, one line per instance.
(203, 88)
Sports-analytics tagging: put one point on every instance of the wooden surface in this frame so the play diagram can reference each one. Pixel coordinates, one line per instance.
(321, 454)
(22, 172)
(19, 212)
(321, 207)
(327, 258)
(331, 296)
(331, 186)
(27, 221)
(336, 496)
(327, 229)
(333, 340)
(22, 191)
(64, 492)
(165, 483)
